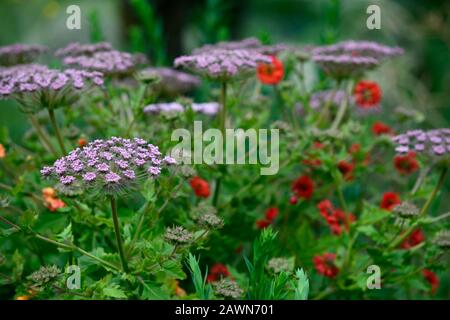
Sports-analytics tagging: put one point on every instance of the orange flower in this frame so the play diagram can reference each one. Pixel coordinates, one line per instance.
(271, 73)
(23, 298)
(179, 292)
(51, 201)
(48, 192)
(2, 151)
(82, 142)
(54, 204)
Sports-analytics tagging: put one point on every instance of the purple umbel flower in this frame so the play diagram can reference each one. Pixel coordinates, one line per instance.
(108, 62)
(342, 66)
(36, 87)
(432, 142)
(352, 58)
(112, 177)
(67, 180)
(247, 44)
(171, 81)
(221, 64)
(122, 162)
(208, 108)
(359, 49)
(89, 176)
(76, 49)
(20, 54)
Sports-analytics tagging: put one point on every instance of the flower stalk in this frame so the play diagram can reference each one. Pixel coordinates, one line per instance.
(54, 123)
(117, 233)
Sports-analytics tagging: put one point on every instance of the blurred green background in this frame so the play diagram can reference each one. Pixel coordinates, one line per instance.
(165, 29)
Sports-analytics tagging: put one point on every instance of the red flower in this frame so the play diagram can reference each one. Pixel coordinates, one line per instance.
(346, 168)
(416, 237)
(313, 162)
(217, 272)
(367, 94)
(200, 187)
(335, 218)
(432, 279)
(271, 73)
(303, 187)
(293, 200)
(406, 164)
(390, 200)
(324, 264)
(263, 223)
(271, 213)
(380, 128)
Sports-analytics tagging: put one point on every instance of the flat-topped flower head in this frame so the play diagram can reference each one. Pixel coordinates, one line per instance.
(16, 54)
(178, 235)
(45, 275)
(344, 65)
(210, 221)
(247, 43)
(171, 81)
(110, 63)
(434, 143)
(223, 65)
(406, 210)
(352, 58)
(109, 166)
(76, 49)
(442, 239)
(36, 86)
(359, 49)
(278, 265)
(227, 288)
(208, 108)
(252, 44)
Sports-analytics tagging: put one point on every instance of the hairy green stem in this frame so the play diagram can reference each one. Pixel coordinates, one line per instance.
(223, 119)
(342, 108)
(117, 232)
(68, 246)
(42, 136)
(51, 114)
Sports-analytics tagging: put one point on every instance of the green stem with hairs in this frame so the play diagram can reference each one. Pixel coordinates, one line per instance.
(117, 232)
(51, 114)
(222, 119)
(42, 136)
(342, 109)
(66, 246)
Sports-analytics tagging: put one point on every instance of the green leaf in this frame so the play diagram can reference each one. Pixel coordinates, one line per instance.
(172, 268)
(114, 291)
(302, 285)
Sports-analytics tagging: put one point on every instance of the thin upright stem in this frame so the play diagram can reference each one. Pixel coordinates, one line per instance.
(42, 136)
(223, 119)
(223, 109)
(117, 232)
(51, 114)
(433, 194)
(342, 109)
